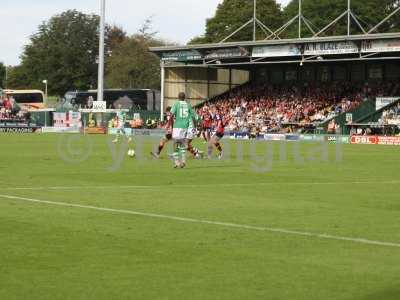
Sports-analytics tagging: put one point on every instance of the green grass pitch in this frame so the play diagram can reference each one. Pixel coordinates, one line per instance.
(142, 230)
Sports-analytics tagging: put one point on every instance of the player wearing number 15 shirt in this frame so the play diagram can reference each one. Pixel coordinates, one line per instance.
(183, 114)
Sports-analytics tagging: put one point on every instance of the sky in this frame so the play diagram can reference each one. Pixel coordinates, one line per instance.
(174, 20)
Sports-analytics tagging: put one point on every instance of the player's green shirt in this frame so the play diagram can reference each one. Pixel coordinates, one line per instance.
(121, 115)
(183, 113)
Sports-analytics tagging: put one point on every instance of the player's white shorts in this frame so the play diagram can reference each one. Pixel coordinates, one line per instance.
(191, 133)
(179, 133)
(121, 129)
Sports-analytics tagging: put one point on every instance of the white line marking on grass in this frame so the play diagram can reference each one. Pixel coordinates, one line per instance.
(200, 221)
(193, 185)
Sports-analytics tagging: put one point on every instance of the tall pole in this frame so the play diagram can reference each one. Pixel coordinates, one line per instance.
(100, 86)
(348, 16)
(255, 20)
(300, 17)
(162, 105)
(45, 91)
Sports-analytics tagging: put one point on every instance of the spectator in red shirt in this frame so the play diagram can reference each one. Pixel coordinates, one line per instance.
(7, 104)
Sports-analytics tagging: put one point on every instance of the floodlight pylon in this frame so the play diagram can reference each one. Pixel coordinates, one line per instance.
(254, 21)
(300, 18)
(350, 15)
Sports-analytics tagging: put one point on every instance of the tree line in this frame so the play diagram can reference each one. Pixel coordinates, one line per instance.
(64, 50)
(231, 14)
(2, 74)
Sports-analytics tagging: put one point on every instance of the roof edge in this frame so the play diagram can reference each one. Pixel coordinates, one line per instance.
(277, 42)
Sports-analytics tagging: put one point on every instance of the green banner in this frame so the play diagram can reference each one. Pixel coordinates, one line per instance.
(182, 56)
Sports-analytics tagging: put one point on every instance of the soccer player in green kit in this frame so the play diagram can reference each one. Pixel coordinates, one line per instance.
(183, 114)
(121, 119)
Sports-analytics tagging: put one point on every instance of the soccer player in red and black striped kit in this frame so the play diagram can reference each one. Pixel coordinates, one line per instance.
(220, 125)
(206, 123)
(168, 134)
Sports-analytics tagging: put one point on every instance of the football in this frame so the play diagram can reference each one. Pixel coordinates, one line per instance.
(131, 153)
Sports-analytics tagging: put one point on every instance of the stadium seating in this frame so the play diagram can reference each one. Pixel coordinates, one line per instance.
(264, 108)
(391, 116)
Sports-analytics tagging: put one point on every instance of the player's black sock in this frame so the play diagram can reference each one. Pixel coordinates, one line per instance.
(160, 147)
(205, 136)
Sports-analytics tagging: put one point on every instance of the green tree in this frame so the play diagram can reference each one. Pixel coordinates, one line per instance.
(115, 36)
(146, 30)
(2, 75)
(321, 12)
(131, 65)
(232, 14)
(17, 79)
(63, 51)
(201, 39)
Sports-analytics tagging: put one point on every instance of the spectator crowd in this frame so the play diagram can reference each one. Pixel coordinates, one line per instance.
(264, 108)
(391, 116)
(7, 108)
(10, 111)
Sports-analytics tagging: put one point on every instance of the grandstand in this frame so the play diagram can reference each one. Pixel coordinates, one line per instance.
(286, 85)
